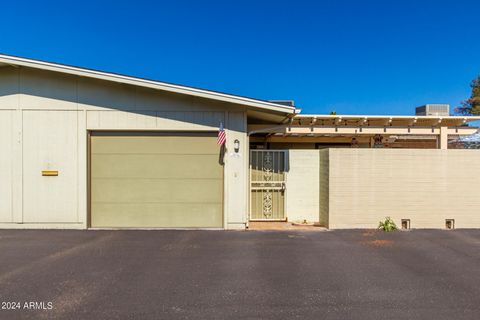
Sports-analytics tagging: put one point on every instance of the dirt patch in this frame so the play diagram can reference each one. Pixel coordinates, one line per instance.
(369, 233)
(379, 243)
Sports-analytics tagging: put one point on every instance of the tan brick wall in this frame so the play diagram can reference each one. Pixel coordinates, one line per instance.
(425, 186)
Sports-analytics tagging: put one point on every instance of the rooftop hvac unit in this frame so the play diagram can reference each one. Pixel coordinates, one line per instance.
(289, 103)
(442, 110)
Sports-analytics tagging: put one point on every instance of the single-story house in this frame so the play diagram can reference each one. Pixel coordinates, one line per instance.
(82, 149)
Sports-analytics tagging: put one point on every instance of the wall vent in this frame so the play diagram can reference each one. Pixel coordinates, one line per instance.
(450, 224)
(405, 224)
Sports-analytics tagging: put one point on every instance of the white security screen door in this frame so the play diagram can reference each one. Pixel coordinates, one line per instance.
(267, 185)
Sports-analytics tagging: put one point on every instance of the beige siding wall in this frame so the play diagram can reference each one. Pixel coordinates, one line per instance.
(50, 143)
(425, 186)
(236, 171)
(302, 192)
(6, 165)
(98, 105)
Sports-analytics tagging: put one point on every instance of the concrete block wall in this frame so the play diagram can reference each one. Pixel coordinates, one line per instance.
(356, 188)
(426, 186)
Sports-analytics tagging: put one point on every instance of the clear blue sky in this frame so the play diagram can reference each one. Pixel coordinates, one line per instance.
(369, 57)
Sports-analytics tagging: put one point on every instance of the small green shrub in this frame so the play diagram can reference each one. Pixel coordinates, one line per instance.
(387, 225)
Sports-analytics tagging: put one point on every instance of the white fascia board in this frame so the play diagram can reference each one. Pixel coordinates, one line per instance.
(259, 104)
(328, 116)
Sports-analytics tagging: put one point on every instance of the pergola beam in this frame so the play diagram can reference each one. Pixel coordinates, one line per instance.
(364, 130)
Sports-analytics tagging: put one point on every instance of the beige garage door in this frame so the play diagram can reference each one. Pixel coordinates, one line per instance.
(155, 180)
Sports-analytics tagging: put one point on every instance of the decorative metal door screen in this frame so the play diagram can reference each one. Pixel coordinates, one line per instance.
(267, 185)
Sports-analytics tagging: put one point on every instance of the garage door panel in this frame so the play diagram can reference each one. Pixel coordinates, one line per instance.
(172, 166)
(180, 144)
(156, 190)
(157, 215)
(156, 180)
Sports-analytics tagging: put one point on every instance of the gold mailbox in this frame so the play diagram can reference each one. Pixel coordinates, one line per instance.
(49, 173)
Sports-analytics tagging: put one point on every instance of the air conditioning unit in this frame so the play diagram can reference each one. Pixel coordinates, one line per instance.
(289, 103)
(442, 110)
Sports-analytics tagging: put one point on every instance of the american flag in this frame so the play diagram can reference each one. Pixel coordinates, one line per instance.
(222, 136)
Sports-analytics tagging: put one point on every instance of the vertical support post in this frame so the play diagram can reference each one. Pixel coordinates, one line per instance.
(443, 143)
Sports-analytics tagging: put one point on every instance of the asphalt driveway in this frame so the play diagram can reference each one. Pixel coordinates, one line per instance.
(240, 275)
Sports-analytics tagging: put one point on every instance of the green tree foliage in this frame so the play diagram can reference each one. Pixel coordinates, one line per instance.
(471, 106)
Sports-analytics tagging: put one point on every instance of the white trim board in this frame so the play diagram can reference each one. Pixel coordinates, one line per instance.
(55, 67)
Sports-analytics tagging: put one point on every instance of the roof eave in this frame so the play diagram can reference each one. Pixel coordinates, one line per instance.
(253, 103)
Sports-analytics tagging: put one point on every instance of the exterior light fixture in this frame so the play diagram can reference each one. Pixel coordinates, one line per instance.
(236, 145)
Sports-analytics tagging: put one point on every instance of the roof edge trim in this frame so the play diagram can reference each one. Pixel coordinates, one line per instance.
(158, 85)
